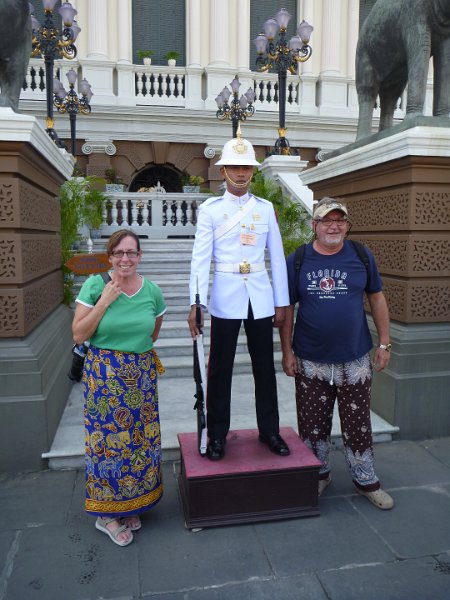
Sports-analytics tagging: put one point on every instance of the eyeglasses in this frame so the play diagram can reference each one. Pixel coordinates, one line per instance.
(328, 222)
(129, 253)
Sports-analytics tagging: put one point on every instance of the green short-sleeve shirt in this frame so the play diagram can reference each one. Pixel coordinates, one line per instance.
(129, 321)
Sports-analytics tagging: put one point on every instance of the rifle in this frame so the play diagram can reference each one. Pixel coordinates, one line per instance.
(200, 380)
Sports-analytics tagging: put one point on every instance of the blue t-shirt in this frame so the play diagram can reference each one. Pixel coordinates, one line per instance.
(331, 325)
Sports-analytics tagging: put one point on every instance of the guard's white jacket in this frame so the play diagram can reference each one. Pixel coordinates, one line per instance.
(231, 292)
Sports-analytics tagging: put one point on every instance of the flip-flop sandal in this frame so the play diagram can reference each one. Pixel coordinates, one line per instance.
(135, 528)
(101, 524)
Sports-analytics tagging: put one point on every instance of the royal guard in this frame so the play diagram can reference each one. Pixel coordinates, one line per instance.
(233, 231)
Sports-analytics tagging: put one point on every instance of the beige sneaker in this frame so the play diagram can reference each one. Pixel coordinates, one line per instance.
(379, 498)
(323, 484)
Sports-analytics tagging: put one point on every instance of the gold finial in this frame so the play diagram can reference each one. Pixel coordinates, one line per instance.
(239, 146)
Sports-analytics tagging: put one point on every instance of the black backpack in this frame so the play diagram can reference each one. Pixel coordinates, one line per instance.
(300, 254)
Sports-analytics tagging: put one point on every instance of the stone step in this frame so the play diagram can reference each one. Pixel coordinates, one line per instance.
(176, 402)
(177, 329)
(175, 347)
(177, 313)
(181, 366)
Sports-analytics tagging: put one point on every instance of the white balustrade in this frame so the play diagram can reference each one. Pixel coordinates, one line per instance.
(154, 214)
(156, 85)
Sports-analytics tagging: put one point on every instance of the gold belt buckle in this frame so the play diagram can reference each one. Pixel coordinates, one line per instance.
(244, 267)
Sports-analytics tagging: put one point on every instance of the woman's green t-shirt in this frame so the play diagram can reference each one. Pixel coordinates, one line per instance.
(129, 321)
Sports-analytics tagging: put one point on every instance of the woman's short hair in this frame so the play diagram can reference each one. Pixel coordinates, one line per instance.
(118, 236)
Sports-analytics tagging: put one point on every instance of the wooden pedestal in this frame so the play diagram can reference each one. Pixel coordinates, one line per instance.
(250, 483)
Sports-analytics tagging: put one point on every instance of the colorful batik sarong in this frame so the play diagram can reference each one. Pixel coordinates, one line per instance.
(123, 440)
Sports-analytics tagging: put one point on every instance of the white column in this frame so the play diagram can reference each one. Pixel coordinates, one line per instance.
(353, 33)
(308, 81)
(331, 31)
(333, 88)
(124, 32)
(219, 25)
(243, 32)
(98, 29)
(81, 18)
(306, 12)
(352, 38)
(194, 35)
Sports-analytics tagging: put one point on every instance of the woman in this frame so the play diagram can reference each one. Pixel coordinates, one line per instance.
(122, 320)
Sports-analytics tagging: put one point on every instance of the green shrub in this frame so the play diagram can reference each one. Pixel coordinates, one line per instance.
(293, 219)
(81, 203)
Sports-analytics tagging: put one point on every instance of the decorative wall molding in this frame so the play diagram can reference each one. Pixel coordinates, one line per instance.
(99, 147)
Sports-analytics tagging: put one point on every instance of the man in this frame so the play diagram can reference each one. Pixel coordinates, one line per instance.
(328, 352)
(233, 230)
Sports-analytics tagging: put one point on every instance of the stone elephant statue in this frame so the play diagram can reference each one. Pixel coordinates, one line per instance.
(15, 49)
(396, 42)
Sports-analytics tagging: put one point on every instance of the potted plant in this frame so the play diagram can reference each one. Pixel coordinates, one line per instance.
(192, 184)
(113, 181)
(81, 204)
(145, 56)
(172, 57)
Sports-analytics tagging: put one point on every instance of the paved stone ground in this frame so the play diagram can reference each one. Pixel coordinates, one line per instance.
(50, 550)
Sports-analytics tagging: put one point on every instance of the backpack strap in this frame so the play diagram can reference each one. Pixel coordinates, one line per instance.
(298, 260)
(362, 253)
(106, 277)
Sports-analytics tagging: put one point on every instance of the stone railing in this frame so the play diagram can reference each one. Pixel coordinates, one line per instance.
(158, 215)
(157, 85)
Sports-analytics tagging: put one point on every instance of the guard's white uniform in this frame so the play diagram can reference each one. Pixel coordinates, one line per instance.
(231, 292)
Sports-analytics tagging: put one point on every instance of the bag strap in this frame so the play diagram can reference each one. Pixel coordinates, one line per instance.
(240, 214)
(362, 253)
(298, 260)
(106, 278)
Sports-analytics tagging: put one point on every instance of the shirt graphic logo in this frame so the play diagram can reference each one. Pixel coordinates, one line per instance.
(326, 284)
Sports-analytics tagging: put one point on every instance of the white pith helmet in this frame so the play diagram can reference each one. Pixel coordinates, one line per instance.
(238, 152)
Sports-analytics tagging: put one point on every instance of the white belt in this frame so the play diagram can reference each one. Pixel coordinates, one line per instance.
(243, 267)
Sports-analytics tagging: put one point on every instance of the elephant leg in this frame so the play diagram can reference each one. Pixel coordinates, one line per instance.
(367, 86)
(389, 96)
(441, 89)
(11, 82)
(366, 107)
(418, 52)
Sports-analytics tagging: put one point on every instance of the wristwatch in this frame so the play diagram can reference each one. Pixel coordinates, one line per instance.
(385, 347)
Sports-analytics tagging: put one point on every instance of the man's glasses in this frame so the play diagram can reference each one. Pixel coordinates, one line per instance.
(328, 222)
(129, 253)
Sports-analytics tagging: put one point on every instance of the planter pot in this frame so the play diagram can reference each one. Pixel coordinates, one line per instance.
(191, 189)
(172, 62)
(147, 60)
(114, 187)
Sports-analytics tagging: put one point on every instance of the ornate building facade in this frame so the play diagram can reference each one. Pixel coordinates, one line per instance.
(157, 122)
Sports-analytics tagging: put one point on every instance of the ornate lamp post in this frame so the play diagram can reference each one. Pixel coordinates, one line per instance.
(50, 43)
(284, 56)
(69, 102)
(239, 108)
